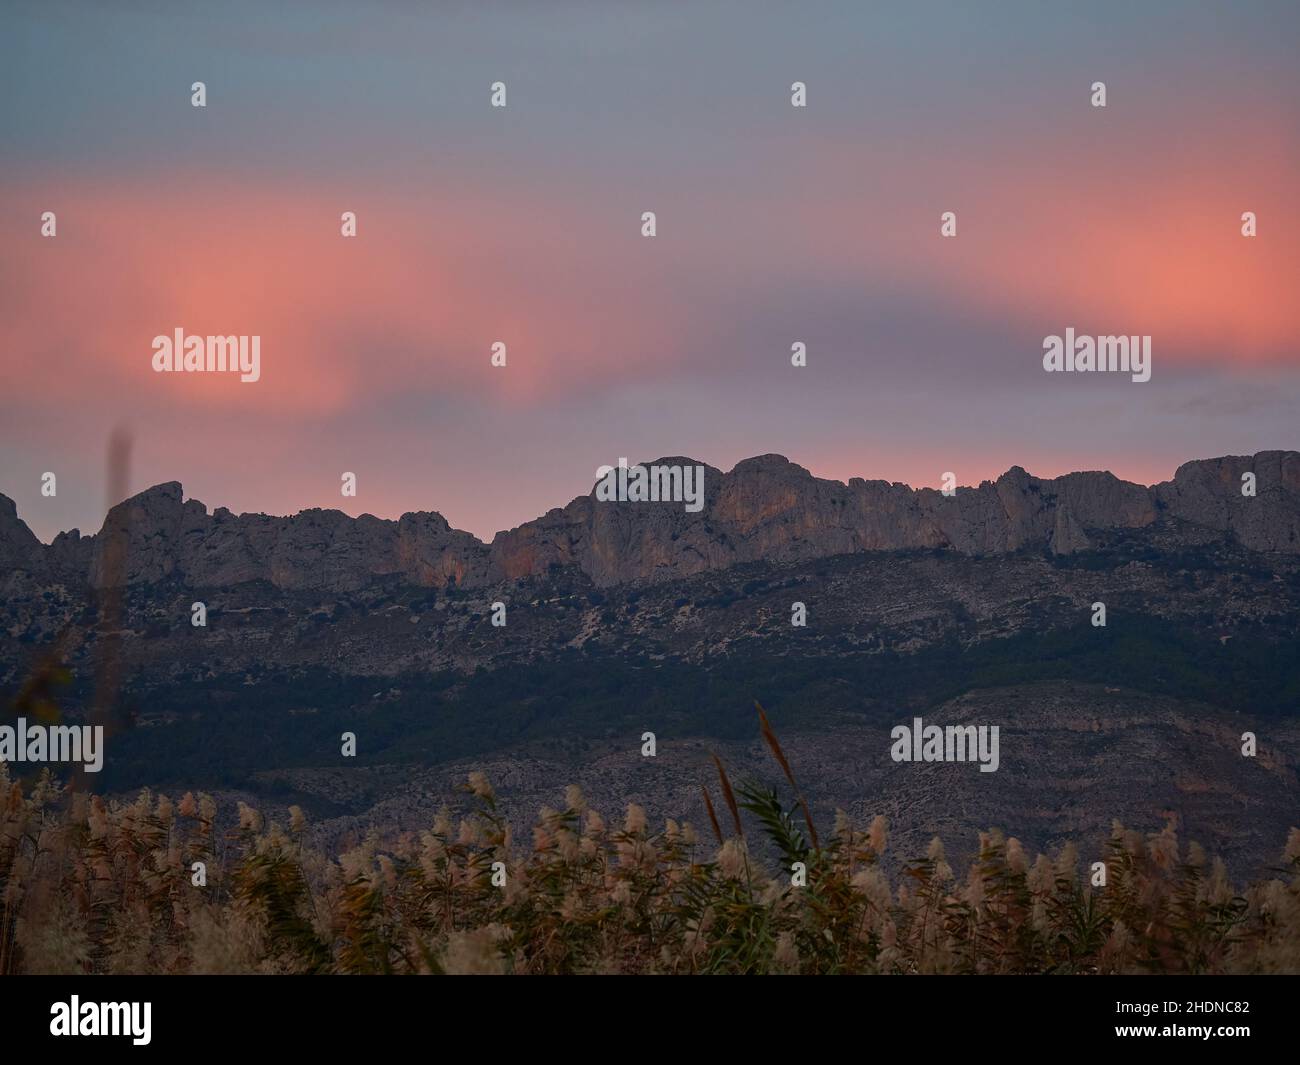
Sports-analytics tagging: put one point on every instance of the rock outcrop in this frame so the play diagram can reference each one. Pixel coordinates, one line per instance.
(22, 555)
(1209, 493)
(166, 536)
(766, 508)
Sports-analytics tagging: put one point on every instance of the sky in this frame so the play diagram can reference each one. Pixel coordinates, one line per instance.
(522, 224)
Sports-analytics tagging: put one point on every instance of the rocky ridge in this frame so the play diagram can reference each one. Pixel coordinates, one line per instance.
(765, 509)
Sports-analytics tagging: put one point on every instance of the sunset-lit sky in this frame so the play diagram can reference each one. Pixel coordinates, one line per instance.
(522, 224)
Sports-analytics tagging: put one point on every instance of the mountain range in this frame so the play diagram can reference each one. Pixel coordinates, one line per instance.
(624, 618)
(765, 509)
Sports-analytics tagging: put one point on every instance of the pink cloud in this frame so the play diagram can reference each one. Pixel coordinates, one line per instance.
(412, 304)
(1103, 232)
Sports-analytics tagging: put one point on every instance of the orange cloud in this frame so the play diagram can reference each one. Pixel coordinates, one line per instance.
(1103, 232)
(411, 305)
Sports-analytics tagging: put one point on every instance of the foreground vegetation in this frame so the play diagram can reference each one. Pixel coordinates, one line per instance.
(109, 888)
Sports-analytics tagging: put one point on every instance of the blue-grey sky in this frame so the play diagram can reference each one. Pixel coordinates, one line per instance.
(775, 224)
